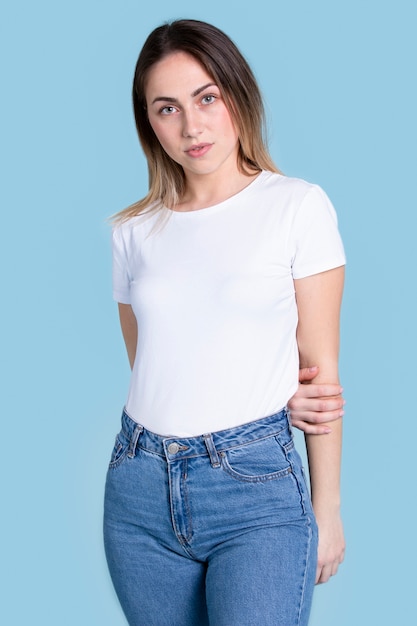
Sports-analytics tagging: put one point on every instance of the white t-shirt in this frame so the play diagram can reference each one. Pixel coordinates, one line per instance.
(213, 294)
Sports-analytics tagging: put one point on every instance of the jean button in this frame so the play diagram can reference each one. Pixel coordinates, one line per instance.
(173, 448)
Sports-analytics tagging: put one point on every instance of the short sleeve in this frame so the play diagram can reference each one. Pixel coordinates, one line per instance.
(316, 245)
(121, 279)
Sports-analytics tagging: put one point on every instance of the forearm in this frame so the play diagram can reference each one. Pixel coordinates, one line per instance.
(324, 451)
(324, 460)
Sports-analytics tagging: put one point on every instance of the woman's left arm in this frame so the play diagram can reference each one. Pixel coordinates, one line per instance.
(318, 300)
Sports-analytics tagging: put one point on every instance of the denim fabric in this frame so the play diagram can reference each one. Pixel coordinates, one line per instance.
(215, 530)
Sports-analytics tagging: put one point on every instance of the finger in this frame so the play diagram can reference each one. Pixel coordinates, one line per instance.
(323, 574)
(316, 405)
(316, 417)
(315, 425)
(324, 390)
(307, 373)
(311, 429)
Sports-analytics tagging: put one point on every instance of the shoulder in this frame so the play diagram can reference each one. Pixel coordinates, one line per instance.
(278, 183)
(290, 194)
(137, 225)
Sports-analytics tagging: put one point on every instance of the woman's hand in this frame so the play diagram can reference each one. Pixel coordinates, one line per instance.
(331, 549)
(313, 405)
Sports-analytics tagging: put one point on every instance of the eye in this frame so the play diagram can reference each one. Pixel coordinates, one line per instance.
(208, 99)
(167, 110)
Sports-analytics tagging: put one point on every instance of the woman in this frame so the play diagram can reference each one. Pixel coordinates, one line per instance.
(229, 277)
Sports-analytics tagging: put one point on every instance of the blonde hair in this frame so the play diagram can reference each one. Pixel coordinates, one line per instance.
(230, 71)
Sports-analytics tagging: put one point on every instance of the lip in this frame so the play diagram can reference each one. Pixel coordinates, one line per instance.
(198, 150)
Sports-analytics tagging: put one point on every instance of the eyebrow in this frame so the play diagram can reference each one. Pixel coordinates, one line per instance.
(193, 95)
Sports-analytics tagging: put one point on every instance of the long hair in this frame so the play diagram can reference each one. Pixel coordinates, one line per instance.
(224, 63)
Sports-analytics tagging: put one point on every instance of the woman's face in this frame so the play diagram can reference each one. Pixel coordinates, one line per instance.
(189, 116)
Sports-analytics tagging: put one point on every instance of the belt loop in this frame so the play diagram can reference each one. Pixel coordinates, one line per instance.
(214, 457)
(134, 441)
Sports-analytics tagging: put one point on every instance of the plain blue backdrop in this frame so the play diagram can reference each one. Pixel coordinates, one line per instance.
(339, 85)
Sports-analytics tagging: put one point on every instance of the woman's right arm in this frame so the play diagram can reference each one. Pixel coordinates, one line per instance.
(129, 327)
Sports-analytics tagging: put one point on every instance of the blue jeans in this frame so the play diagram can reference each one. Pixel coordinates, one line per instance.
(216, 529)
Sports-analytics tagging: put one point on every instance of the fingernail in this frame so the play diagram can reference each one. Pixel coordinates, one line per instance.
(327, 431)
(312, 369)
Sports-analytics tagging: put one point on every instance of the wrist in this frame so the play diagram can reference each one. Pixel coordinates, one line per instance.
(327, 506)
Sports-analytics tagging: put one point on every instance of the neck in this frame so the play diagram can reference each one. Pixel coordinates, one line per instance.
(204, 191)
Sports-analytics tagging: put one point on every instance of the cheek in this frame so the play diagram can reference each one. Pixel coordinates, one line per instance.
(165, 131)
(161, 134)
(228, 126)
(155, 127)
(165, 135)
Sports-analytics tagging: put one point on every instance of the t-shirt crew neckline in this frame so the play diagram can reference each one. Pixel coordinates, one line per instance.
(224, 203)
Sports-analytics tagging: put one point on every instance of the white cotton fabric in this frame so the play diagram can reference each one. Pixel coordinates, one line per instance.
(213, 294)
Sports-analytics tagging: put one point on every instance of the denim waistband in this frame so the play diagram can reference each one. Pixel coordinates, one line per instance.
(174, 448)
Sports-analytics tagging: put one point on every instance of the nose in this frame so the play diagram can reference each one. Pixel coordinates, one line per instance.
(192, 124)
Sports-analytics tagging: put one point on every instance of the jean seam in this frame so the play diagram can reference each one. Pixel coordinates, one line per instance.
(183, 540)
(186, 500)
(308, 556)
(220, 448)
(152, 452)
(300, 490)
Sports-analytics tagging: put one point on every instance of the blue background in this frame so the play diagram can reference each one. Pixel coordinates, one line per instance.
(339, 84)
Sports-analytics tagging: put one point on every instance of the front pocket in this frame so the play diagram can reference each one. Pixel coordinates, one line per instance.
(257, 462)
